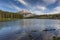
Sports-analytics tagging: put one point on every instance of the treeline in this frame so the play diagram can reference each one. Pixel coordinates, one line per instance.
(51, 16)
(4, 14)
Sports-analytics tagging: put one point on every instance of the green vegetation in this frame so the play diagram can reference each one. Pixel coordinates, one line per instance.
(54, 38)
(51, 16)
(5, 16)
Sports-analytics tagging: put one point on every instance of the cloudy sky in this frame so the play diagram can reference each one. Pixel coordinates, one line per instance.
(35, 6)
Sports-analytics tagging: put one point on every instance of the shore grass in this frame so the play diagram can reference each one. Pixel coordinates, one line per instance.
(56, 38)
(6, 19)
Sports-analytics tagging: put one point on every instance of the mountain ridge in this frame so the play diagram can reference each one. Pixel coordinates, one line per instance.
(25, 14)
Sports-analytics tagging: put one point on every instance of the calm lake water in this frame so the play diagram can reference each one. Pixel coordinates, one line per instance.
(22, 28)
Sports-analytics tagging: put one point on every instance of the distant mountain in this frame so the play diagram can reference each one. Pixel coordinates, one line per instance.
(26, 13)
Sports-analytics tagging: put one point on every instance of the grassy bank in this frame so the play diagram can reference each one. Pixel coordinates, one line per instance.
(58, 38)
(6, 16)
(6, 19)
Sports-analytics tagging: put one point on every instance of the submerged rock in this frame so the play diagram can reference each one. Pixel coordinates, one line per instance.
(49, 29)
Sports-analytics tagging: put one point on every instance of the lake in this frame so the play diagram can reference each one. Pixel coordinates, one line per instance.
(28, 29)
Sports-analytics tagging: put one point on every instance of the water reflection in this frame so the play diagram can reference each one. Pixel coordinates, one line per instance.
(41, 24)
(53, 27)
(10, 29)
(40, 29)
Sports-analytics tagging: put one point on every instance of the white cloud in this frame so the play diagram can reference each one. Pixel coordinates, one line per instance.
(14, 6)
(49, 1)
(38, 9)
(39, 12)
(41, 8)
(59, 3)
(57, 9)
(9, 6)
(23, 2)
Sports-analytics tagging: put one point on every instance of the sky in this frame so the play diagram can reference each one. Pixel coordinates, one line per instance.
(35, 6)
